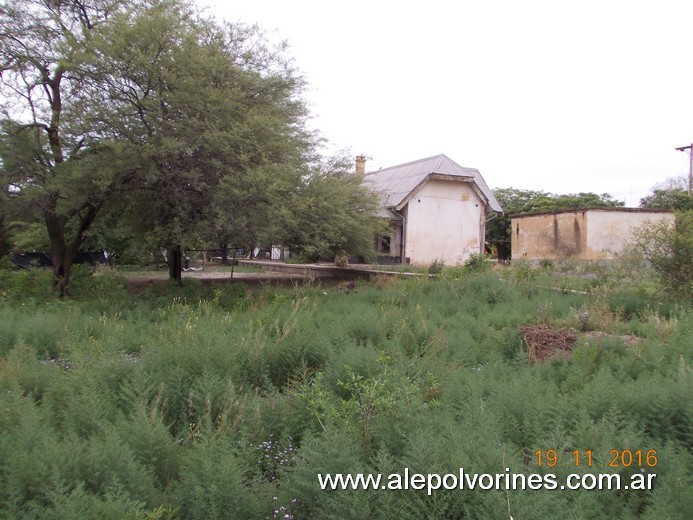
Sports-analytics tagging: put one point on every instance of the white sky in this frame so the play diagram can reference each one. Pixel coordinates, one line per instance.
(546, 95)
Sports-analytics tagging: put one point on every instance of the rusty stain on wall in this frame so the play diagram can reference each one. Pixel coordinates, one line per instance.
(588, 234)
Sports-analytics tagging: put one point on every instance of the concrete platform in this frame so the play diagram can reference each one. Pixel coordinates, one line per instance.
(327, 270)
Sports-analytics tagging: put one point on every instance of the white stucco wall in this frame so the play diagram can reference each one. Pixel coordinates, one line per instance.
(609, 232)
(443, 223)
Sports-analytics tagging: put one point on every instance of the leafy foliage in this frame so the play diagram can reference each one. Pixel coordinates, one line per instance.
(477, 263)
(330, 212)
(147, 116)
(152, 126)
(669, 250)
(670, 194)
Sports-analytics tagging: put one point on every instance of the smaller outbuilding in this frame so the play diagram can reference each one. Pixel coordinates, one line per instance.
(588, 234)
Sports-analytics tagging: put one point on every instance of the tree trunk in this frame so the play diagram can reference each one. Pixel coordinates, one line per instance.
(175, 264)
(63, 251)
(61, 254)
(224, 253)
(62, 278)
(233, 262)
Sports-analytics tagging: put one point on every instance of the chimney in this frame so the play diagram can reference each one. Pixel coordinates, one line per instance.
(361, 165)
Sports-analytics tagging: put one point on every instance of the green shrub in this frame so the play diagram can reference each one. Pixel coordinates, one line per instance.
(669, 250)
(477, 263)
(546, 264)
(522, 271)
(26, 285)
(212, 484)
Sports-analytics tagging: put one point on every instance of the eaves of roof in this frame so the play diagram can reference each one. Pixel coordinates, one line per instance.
(397, 184)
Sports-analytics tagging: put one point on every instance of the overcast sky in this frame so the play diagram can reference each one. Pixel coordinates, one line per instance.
(546, 95)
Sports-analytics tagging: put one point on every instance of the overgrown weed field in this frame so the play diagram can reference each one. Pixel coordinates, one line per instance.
(217, 402)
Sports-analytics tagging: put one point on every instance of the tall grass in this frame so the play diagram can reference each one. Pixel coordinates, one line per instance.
(220, 402)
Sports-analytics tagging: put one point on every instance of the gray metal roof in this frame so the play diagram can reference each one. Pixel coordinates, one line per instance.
(396, 184)
(388, 214)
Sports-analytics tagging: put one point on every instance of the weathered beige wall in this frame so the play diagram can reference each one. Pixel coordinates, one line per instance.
(549, 236)
(443, 220)
(587, 234)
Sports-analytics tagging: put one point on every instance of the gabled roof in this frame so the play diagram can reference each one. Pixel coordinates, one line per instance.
(397, 183)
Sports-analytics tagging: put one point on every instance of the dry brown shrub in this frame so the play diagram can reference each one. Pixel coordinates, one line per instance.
(543, 341)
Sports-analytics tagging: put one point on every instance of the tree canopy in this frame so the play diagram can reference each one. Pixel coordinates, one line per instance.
(331, 212)
(148, 112)
(670, 194)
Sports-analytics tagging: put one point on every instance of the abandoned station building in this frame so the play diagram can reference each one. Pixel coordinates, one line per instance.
(437, 210)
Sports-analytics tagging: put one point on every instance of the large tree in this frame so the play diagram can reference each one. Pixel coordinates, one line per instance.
(143, 105)
(216, 108)
(64, 173)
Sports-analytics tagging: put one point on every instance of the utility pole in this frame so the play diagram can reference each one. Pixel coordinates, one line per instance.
(690, 170)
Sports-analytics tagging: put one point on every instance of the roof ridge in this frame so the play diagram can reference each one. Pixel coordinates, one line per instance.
(455, 163)
(408, 163)
(440, 158)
